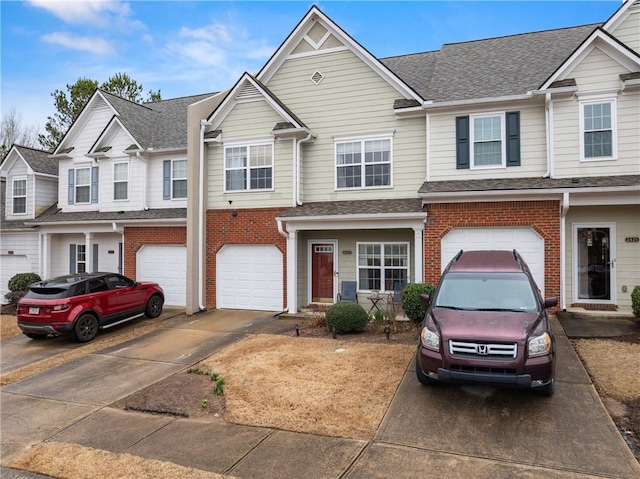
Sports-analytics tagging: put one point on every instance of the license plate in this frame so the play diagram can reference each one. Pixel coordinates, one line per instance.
(34, 310)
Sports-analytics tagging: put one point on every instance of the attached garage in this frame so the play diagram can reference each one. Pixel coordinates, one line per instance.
(526, 241)
(166, 265)
(249, 277)
(10, 265)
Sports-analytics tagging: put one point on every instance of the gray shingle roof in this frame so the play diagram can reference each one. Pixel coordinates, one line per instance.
(505, 184)
(55, 215)
(355, 207)
(493, 67)
(158, 125)
(38, 160)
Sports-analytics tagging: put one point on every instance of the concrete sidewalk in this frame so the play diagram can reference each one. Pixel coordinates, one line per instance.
(443, 431)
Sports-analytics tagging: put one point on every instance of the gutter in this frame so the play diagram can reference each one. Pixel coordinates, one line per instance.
(306, 139)
(430, 105)
(201, 219)
(563, 252)
(548, 114)
(285, 235)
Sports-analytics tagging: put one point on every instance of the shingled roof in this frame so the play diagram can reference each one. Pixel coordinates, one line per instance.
(38, 160)
(494, 67)
(355, 207)
(159, 124)
(55, 215)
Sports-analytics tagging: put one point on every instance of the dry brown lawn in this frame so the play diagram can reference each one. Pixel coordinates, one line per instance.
(70, 461)
(8, 326)
(318, 386)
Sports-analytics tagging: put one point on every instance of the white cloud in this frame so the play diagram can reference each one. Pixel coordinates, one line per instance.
(94, 45)
(83, 12)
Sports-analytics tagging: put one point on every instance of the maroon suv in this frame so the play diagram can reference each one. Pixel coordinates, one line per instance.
(487, 323)
(81, 304)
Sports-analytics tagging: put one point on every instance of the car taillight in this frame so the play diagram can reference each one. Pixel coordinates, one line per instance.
(60, 307)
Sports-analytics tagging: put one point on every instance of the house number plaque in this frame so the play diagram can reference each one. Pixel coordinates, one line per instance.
(632, 239)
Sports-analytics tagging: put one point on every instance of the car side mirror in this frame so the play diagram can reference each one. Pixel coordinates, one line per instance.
(550, 302)
(425, 298)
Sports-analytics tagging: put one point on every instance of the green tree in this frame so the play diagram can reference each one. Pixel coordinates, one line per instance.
(70, 103)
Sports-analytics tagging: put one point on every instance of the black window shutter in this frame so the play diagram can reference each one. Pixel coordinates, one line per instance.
(95, 258)
(462, 142)
(166, 180)
(72, 258)
(513, 138)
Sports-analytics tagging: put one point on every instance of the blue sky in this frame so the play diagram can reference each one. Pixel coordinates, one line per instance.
(192, 47)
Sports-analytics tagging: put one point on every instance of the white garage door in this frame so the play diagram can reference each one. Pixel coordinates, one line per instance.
(525, 240)
(166, 265)
(249, 277)
(10, 265)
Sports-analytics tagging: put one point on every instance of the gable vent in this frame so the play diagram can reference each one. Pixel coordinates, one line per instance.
(317, 77)
(249, 90)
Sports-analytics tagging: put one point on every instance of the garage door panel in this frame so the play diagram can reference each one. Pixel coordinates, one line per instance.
(249, 277)
(10, 265)
(525, 240)
(166, 265)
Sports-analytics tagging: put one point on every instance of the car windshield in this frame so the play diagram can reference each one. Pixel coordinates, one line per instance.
(486, 292)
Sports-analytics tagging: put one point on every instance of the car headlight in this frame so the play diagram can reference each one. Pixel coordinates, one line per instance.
(540, 345)
(430, 340)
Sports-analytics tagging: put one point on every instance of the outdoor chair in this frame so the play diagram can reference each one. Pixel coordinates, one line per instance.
(348, 292)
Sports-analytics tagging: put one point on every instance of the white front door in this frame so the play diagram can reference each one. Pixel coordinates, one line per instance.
(594, 259)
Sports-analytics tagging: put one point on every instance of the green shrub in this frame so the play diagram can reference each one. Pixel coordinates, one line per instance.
(635, 302)
(21, 281)
(347, 318)
(413, 307)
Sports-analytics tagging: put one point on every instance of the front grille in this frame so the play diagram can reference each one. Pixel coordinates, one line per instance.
(482, 370)
(465, 349)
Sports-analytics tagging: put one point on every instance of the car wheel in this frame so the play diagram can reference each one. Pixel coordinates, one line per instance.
(86, 328)
(422, 377)
(548, 389)
(154, 307)
(36, 335)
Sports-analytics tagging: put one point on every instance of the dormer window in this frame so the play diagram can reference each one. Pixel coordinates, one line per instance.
(19, 196)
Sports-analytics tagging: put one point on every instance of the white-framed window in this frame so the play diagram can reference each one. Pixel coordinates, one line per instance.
(380, 265)
(19, 196)
(487, 135)
(81, 258)
(178, 179)
(598, 129)
(121, 181)
(364, 163)
(248, 167)
(83, 185)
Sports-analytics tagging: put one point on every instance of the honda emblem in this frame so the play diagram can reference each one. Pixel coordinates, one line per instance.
(482, 349)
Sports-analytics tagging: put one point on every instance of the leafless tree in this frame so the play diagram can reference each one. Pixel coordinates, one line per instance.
(14, 130)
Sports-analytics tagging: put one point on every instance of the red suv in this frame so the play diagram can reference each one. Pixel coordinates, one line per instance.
(81, 304)
(487, 323)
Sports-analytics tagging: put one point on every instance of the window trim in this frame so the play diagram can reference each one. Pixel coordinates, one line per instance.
(173, 179)
(114, 180)
(382, 267)
(76, 186)
(14, 196)
(362, 139)
(77, 260)
(248, 144)
(600, 99)
(503, 140)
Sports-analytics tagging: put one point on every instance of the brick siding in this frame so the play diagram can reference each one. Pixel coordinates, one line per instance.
(250, 226)
(136, 237)
(542, 216)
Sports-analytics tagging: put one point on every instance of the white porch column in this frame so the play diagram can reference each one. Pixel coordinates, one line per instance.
(45, 255)
(418, 255)
(88, 255)
(292, 266)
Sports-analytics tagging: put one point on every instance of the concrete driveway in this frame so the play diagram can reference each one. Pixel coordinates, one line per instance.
(443, 431)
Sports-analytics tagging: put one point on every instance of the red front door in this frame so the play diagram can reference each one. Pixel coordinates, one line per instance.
(322, 273)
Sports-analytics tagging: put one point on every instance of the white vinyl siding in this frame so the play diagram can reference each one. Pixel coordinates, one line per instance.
(46, 192)
(19, 196)
(627, 31)
(350, 100)
(442, 146)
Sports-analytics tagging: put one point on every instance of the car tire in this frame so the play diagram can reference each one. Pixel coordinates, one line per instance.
(422, 377)
(85, 328)
(154, 307)
(36, 335)
(548, 389)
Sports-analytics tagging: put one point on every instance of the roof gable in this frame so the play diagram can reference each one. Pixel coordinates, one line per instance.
(317, 34)
(607, 44)
(103, 142)
(38, 162)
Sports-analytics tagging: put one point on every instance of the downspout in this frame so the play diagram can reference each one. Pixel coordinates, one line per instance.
(563, 252)
(306, 139)
(286, 236)
(201, 219)
(548, 116)
(144, 181)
